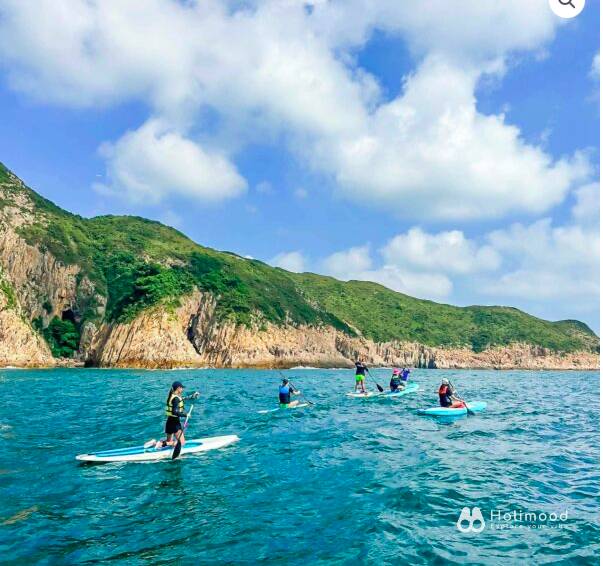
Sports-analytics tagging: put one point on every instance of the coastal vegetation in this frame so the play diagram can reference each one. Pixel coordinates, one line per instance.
(138, 263)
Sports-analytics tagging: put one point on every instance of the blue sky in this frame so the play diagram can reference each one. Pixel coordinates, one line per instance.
(451, 156)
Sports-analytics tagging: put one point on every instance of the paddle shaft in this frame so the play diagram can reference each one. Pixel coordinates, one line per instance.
(296, 389)
(178, 447)
(374, 381)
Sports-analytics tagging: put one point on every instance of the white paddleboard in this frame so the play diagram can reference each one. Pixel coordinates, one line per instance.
(142, 454)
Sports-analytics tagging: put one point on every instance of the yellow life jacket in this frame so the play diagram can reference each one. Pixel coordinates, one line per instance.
(168, 406)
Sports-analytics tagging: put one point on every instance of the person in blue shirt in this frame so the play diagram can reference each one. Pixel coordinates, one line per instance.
(284, 395)
(405, 374)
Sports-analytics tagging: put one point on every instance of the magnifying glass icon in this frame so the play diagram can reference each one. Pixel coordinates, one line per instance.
(567, 3)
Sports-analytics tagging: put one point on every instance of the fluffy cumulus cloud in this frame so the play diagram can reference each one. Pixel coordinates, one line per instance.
(287, 69)
(357, 263)
(544, 262)
(534, 263)
(152, 162)
(345, 264)
(448, 252)
(291, 261)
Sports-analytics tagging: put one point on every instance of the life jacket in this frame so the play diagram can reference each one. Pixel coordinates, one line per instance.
(395, 380)
(405, 374)
(284, 394)
(168, 405)
(445, 395)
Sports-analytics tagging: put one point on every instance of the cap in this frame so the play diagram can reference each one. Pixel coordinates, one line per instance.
(177, 384)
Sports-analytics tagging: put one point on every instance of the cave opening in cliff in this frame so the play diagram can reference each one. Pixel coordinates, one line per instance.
(69, 315)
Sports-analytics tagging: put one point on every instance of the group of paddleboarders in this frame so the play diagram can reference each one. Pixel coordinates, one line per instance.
(175, 409)
(397, 382)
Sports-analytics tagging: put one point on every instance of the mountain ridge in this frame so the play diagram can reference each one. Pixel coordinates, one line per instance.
(113, 269)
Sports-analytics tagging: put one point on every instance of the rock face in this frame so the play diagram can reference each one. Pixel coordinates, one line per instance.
(35, 287)
(20, 344)
(191, 336)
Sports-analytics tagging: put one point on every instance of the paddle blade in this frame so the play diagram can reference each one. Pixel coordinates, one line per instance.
(177, 450)
(379, 388)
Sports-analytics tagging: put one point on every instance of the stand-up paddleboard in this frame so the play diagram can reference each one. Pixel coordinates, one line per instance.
(300, 406)
(367, 395)
(410, 388)
(144, 454)
(471, 408)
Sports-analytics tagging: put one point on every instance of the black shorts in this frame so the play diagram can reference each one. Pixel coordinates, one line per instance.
(172, 425)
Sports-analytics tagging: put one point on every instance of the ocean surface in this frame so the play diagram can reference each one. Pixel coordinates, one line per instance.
(342, 482)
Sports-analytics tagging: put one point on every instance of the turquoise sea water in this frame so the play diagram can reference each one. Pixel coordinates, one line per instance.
(341, 482)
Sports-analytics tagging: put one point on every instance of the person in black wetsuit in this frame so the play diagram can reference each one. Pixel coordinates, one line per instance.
(174, 410)
(361, 370)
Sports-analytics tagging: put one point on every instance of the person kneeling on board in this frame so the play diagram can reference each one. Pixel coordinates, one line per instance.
(174, 410)
(448, 397)
(396, 383)
(284, 394)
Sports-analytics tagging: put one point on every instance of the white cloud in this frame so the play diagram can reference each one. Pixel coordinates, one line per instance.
(356, 263)
(417, 284)
(430, 153)
(446, 252)
(595, 69)
(348, 263)
(147, 165)
(586, 209)
(291, 261)
(543, 262)
(273, 70)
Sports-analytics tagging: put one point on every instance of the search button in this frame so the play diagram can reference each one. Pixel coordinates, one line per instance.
(567, 8)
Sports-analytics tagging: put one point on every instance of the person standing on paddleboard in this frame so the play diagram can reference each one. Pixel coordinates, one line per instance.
(448, 398)
(361, 370)
(284, 394)
(174, 410)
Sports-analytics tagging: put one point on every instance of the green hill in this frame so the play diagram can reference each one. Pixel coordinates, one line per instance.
(137, 263)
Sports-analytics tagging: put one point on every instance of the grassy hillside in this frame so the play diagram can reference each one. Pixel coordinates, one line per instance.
(138, 263)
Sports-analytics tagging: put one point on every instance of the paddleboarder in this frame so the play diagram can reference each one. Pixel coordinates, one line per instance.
(397, 383)
(361, 370)
(284, 394)
(448, 397)
(174, 410)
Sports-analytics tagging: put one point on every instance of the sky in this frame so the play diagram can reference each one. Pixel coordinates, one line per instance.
(448, 153)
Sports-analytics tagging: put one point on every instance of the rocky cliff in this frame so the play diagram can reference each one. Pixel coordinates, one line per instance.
(191, 336)
(127, 292)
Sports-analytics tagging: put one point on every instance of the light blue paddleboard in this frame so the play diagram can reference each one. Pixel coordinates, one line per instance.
(410, 388)
(474, 407)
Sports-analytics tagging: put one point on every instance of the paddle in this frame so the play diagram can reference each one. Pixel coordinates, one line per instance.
(296, 389)
(378, 386)
(455, 391)
(302, 395)
(178, 447)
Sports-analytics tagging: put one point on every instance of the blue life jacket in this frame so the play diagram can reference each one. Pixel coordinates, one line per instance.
(405, 375)
(284, 394)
